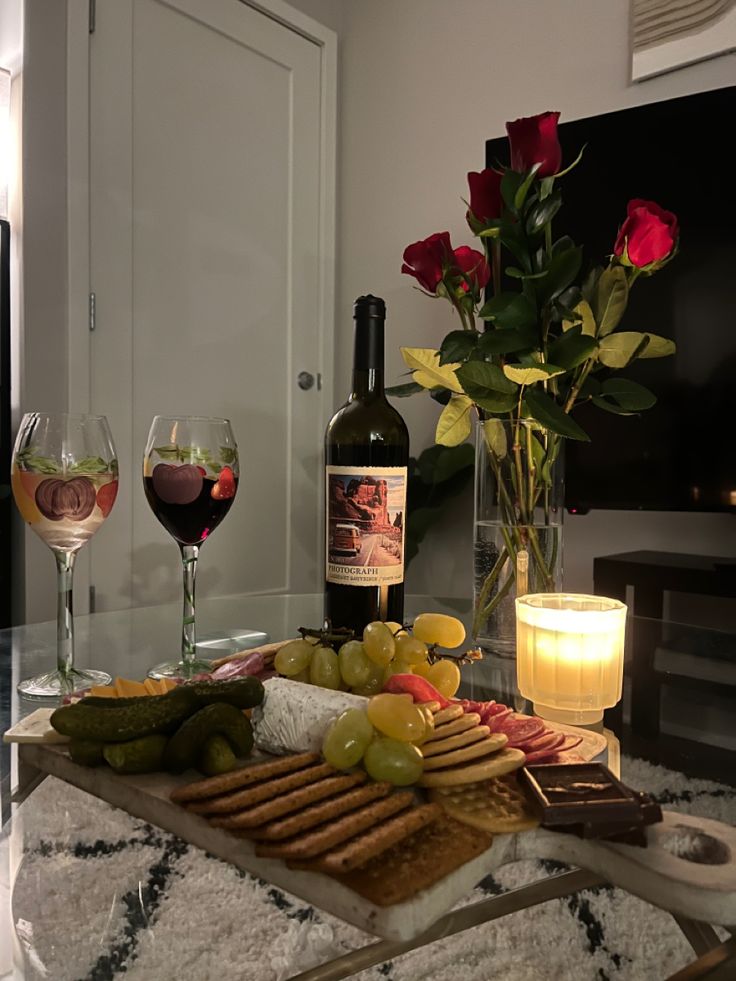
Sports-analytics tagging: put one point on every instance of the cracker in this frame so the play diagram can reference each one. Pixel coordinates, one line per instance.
(286, 803)
(244, 777)
(265, 790)
(498, 806)
(337, 832)
(315, 814)
(448, 714)
(417, 862)
(362, 849)
(461, 724)
(484, 747)
(454, 742)
(432, 706)
(496, 765)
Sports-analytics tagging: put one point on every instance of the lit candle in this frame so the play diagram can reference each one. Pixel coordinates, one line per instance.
(570, 654)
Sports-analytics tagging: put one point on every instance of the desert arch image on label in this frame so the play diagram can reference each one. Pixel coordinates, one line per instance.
(366, 509)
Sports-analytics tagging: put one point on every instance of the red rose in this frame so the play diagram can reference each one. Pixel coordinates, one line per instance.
(427, 259)
(473, 267)
(648, 235)
(533, 140)
(485, 195)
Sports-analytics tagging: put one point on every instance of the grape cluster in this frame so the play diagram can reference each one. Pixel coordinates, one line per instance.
(386, 737)
(364, 666)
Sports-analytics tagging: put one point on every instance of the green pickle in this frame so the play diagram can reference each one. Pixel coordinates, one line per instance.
(144, 755)
(86, 752)
(184, 747)
(156, 714)
(217, 756)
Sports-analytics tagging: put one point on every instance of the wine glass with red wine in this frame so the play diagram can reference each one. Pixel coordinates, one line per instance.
(190, 475)
(65, 480)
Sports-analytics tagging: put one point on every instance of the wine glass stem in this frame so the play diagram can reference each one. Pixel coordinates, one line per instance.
(65, 612)
(189, 555)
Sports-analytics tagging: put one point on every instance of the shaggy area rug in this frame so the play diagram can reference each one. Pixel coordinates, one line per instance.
(100, 894)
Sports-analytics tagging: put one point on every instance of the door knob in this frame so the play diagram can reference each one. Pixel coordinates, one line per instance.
(305, 380)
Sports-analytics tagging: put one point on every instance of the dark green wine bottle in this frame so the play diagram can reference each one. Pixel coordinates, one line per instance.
(366, 456)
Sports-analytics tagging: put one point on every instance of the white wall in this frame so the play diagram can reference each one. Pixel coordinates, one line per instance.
(423, 84)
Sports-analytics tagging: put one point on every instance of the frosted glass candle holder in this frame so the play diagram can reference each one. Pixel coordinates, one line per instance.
(570, 654)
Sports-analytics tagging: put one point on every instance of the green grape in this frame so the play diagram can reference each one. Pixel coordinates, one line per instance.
(347, 739)
(293, 657)
(410, 649)
(388, 759)
(303, 676)
(324, 669)
(438, 628)
(397, 716)
(379, 643)
(445, 676)
(397, 666)
(394, 627)
(428, 724)
(355, 667)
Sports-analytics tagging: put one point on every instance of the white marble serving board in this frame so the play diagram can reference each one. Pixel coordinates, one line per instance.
(659, 874)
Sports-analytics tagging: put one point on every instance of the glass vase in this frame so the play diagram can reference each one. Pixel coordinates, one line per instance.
(517, 534)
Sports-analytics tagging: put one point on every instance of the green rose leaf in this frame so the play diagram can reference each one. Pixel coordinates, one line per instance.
(610, 406)
(510, 184)
(403, 391)
(630, 395)
(495, 402)
(560, 273)
(610, 299)
(542, 212)
(505, 341)
(571, 349)
(550, 415)
(457, 345)
(619, 349)
(495, 436)
(528, 375)
(453, 426)
(583, 316)
(510, 310)
(480, 376)
(427, 371)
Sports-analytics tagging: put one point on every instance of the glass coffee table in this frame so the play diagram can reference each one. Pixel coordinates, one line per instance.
(697, 742)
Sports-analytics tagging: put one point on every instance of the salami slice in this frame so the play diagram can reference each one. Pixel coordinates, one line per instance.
(549, 741)
(519, 728)
(570, 743)
(496, 708)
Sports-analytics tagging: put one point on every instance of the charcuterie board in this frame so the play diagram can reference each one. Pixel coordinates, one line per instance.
(689, 866)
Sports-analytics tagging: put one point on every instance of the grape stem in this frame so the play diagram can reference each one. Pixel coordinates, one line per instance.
(328, 635)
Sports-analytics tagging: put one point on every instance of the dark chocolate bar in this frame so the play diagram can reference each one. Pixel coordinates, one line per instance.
(587, 800)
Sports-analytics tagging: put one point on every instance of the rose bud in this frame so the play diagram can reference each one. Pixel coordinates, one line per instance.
(473, 267)
(428, 259)
(647, 237)
(485, 195)
(534, 140)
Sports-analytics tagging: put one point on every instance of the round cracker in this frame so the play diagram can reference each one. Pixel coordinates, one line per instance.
(504, 761)
(461, 724)
(496, 806)
(432, 706)
(448, 714)
(484, 747)
(454, 742)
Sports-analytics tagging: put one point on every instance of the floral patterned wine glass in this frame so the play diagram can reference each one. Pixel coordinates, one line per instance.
(65, 480)
(190, 476)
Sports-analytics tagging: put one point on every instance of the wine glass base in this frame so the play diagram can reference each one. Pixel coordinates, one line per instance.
(56, 683)
(180, 670)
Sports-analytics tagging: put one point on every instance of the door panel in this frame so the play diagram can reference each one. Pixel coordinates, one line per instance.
(205, 177)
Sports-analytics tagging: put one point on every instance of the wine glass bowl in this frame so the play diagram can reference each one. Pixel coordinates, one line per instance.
(190, 478)
(65, 480)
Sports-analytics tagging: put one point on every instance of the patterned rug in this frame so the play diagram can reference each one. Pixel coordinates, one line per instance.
(99, 894)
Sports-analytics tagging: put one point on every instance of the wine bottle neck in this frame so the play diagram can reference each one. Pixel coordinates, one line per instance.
(368, 358)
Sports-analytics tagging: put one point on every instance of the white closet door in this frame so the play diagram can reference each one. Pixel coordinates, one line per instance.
(205, 176)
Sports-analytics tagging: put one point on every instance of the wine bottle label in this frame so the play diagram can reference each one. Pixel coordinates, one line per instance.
(366, 510)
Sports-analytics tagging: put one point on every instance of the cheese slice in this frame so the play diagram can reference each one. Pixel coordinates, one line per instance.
(35, 728)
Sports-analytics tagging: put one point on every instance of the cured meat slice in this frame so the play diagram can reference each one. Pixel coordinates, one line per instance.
(519, 728)
(493, 719)
(548, 740)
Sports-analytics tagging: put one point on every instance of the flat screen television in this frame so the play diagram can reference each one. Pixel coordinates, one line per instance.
(681, 454)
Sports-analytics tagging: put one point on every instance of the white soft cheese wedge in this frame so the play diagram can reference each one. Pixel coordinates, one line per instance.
(294, 717)
(35, 728)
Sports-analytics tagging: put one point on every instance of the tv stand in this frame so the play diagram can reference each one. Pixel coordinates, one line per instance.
(651, 574)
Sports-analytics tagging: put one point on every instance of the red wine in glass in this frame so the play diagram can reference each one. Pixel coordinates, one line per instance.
(191, 522)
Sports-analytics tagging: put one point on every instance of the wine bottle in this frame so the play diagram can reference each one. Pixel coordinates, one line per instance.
(366, 456)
